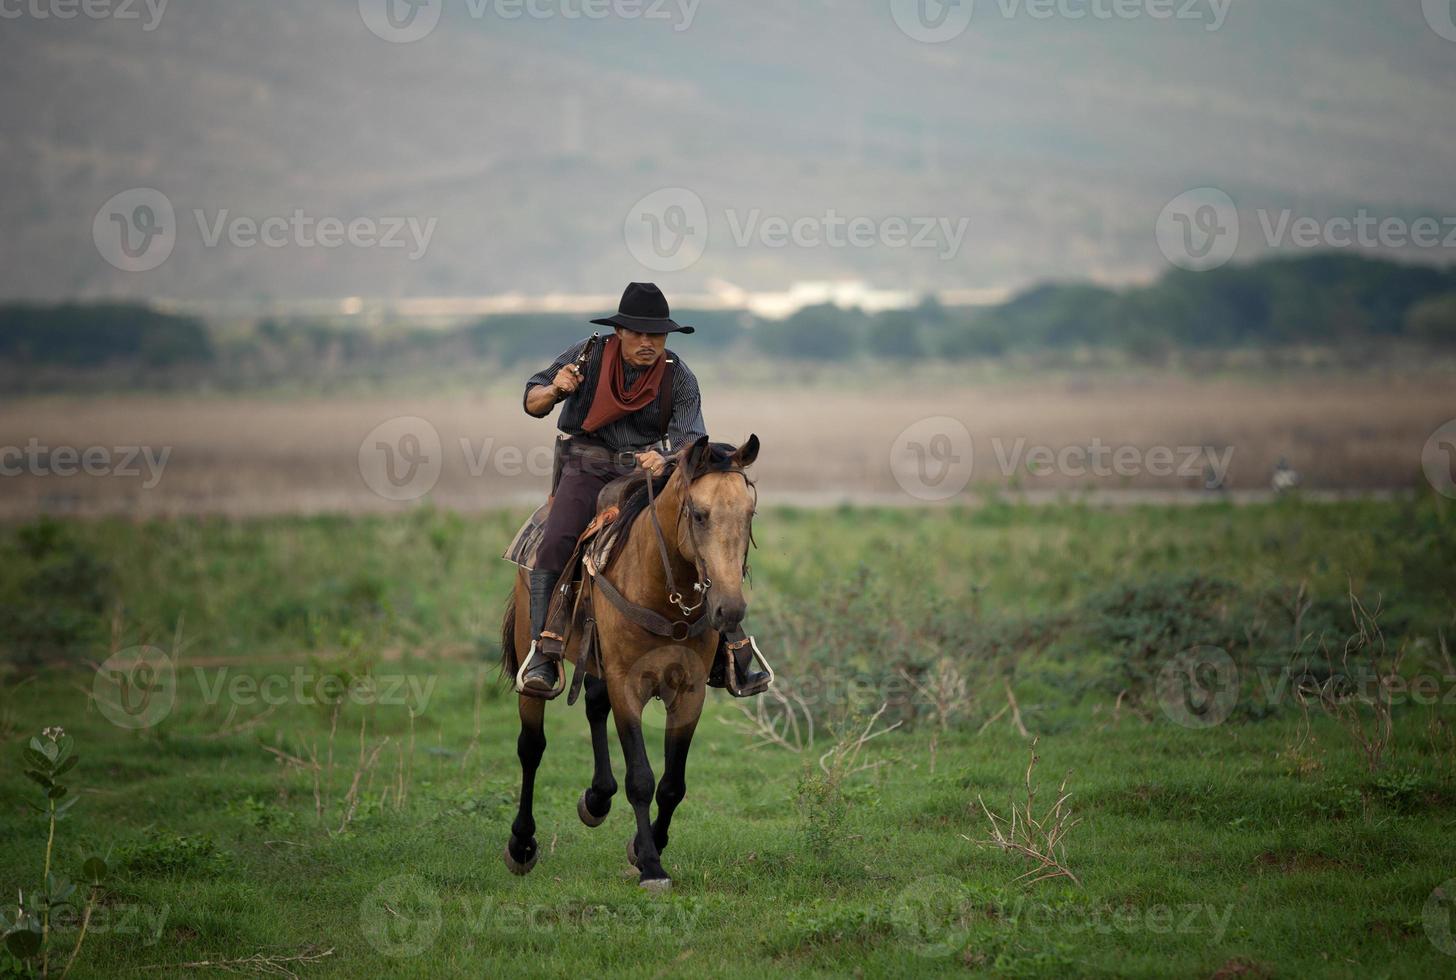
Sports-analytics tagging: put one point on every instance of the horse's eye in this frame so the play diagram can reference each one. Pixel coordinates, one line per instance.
(701, 516)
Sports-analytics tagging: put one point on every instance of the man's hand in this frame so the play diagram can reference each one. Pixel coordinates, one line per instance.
(567, 380)
(542, 398)
(652, 462)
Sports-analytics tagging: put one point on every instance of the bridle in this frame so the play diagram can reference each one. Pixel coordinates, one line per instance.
(703, 582)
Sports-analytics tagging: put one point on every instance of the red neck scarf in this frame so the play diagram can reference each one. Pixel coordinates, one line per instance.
(613, 399)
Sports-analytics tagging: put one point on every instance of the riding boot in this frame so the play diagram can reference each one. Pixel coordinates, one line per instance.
(745, 678)
(542, 672)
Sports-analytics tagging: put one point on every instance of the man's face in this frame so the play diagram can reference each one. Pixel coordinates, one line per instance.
(641, 349)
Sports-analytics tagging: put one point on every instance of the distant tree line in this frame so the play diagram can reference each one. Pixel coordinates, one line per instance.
(99, 334)
(1317, 300)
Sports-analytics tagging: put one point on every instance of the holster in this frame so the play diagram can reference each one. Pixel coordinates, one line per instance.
(558, 462)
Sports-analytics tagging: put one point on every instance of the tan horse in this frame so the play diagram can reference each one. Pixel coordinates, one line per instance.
(704, 508)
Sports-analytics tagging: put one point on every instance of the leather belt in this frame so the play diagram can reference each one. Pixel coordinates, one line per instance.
(624, 458)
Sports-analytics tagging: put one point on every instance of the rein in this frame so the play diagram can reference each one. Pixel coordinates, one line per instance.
(650, 620)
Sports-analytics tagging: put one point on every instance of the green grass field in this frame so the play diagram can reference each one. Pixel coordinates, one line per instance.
(1254, 840)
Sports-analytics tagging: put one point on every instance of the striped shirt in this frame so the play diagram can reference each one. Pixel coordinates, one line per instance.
(640, 429)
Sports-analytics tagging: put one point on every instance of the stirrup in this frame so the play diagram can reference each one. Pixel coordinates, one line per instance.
(521, 677)
(730, 670)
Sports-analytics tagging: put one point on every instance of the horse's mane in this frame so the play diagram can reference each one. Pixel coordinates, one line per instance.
(717, 459)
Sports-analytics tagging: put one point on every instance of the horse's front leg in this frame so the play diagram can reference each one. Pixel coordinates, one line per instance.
(641, 848)
(596, 801)
(682, 721)
(521, 852)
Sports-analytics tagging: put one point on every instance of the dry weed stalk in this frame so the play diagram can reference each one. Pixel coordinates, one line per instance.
(1012, 706)
(362, 781)
(1366, 717)
(843, 758)
(475, 738)
(776, 718)
(1041, 839)
(262, 964)
(948, 695)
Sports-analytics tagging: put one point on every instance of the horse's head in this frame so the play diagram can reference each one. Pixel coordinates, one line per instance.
(716, 522)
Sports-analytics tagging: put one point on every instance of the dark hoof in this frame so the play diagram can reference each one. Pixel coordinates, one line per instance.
(517, 867)
(587, 817)
(632, 851)
(655, 884)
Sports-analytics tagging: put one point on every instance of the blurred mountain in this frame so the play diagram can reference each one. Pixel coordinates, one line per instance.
(529, 140)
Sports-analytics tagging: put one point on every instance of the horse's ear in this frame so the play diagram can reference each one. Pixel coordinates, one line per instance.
(747, 453)
(693, 456)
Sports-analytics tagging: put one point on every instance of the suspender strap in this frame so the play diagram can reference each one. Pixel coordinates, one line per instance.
(664, 396)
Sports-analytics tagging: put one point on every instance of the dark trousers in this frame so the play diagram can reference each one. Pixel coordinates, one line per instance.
(572, 509)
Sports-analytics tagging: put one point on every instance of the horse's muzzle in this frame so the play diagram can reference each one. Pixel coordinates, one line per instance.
(728, 614)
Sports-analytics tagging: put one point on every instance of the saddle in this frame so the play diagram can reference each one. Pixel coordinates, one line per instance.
(570, 607)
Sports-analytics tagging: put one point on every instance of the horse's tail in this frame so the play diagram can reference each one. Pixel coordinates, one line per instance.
(508, 664)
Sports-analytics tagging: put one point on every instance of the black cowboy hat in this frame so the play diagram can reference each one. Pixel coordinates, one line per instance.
(644, 310)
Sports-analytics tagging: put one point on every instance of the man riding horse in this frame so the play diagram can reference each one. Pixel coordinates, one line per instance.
(627, 404)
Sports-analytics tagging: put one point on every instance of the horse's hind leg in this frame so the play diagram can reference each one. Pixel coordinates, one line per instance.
(596, 801)
(521, 852)
(682, 721)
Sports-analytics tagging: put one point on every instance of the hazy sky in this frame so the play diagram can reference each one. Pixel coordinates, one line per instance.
(262, 149)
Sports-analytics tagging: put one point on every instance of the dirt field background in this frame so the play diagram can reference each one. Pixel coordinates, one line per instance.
(241, 456)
